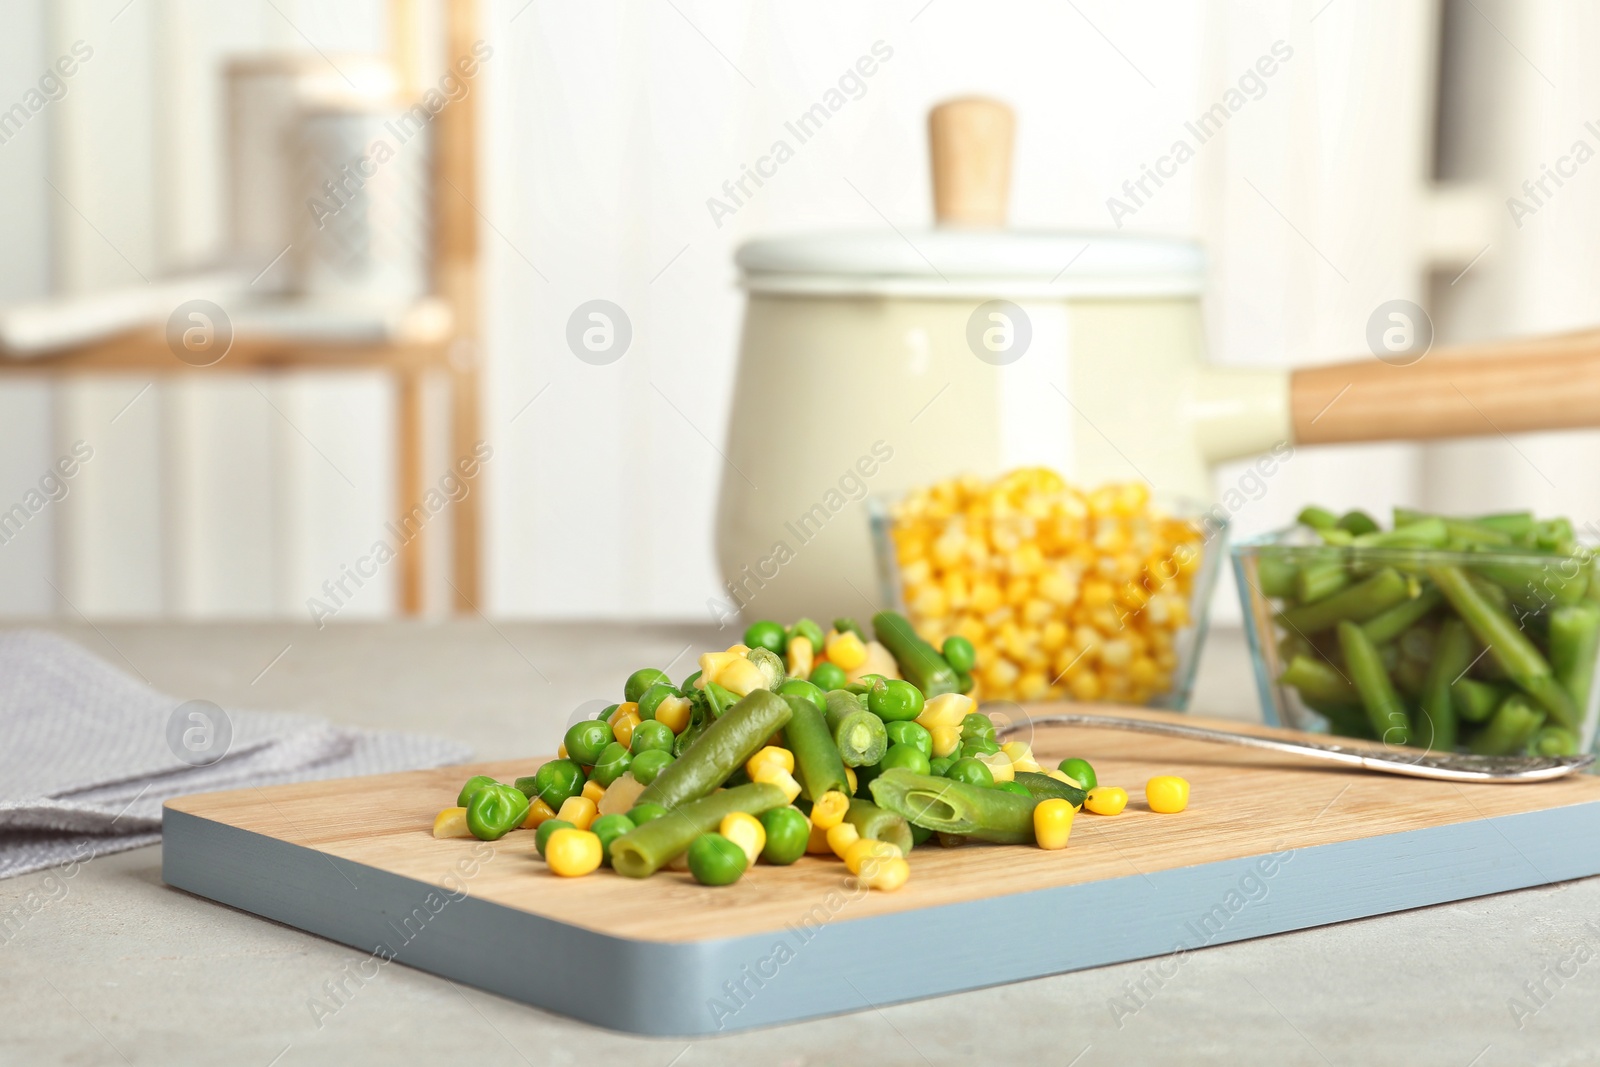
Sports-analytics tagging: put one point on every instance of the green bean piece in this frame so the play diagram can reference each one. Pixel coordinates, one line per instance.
(860, 736)
(1452, 655)
(1554, 741)
(1388, 625)
(1358, 603)
(1537, 586)
(1044, 787)
(919, 662)
(1344, 720)
(953, 807)
(1475, 701)
(846, 625)
(1508, 645)
(1574, 642)
(1275, 574)
(1319, 579)
(723, 748)
(1385, 710)
(817, 765)
(1513, 726)
(640, 852)
(1429, 533)
(1317, 518)
(878, 824)
(1357, 522)
(771, 664)
(811, 632)
(1517, 524)
(1410, 677)
(1317, 680)
(1336, 537)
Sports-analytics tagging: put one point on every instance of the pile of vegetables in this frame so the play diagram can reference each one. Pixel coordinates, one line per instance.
(1441, 633)
(793, 742)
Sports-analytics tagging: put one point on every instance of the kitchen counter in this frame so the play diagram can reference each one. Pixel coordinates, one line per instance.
(124, 969)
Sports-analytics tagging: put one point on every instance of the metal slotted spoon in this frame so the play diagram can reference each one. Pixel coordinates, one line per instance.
(1443, 766)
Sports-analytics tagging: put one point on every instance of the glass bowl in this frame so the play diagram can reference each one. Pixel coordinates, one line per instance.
(1065, 594)
(1499, 624)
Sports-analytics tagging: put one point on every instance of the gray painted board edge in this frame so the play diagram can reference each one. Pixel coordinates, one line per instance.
(725, 985)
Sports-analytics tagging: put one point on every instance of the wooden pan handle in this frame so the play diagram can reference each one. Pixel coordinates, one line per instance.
(1543, 383)
(969, 144)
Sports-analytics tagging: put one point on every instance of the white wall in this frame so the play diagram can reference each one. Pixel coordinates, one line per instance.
(606, 128)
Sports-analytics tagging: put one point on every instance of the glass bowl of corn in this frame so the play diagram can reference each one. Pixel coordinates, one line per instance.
(1065, 593)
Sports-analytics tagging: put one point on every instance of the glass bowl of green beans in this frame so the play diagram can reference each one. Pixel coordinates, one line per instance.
(1453, 634)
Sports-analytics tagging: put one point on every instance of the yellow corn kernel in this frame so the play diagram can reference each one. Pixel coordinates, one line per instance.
(782, 758)
(845, 650)
(842, 837)
(623, 720)
(712, 663)
(946, 709)
(817, 843)
(800, 656)
(773, 774)
(946, 739)
(674, 713)
(1096, 593)
(879, 660)
(538, 812)
(885, 875)
(572, 853)
(1052, 823)
(1021, 755)
(1031, 685)
(829, 810)
(999, 765)
(1085, 685)
(1167, 794)
(864, 850)
(985, 596)
(929, 602)
(578, 810)
(745, 831)
(451, 822)
(594, 791)
(561, 750)
(741, 677)
(1107, 800)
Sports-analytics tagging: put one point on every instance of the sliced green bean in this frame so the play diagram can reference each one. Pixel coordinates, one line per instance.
(1388, 625)
(1360, 602)
(1365, 667)
(642, 851)
(1574, 642)
(1320, 579)
(1316, 680)
(859, 735)
(1475, 701)
(1452, 655)
(723, 748)
(952, 807)
(1554, 741)
(1044, 787)
(872, 821)
(1276, 574)
(816, 757)
(1513, 726)
(1317, 518)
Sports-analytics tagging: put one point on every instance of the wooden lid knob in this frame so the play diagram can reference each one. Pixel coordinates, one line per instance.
(969, 144)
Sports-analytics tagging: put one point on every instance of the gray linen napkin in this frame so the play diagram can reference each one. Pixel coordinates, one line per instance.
(88, 754)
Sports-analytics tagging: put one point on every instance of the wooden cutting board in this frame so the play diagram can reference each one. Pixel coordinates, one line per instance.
(1269, 843)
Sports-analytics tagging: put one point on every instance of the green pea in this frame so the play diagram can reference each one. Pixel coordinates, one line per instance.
(768, 635)
(651, 736)
(977, 724)
(643, 679)
(895, 701)
(787, 834)
(980, 746)
(496, 810)
(651, 699)
(1079, 771)
(586, 740)
(813, 633)
(909, 733)
(919, 834)
(907, 756)
(940, 766)
(608, 828)
(541, 836)
(613, 763)
(643, 813)
(1013, 787)
(828, 677)
(970, 771)
(649, 763)
(475, 783)
(557, 780)
(959, 653)
(801, 688)
(714, 860)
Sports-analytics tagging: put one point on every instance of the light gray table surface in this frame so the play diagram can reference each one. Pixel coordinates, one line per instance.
(123, 969)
